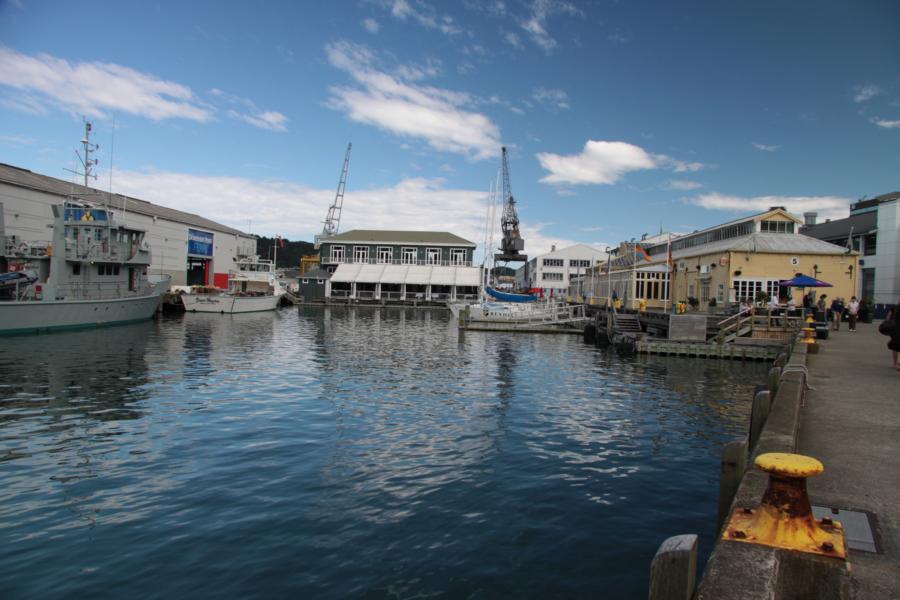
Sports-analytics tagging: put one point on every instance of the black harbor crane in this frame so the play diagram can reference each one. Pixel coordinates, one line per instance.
(511, 244)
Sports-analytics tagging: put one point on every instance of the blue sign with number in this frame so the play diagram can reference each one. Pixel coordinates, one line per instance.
(200, 243)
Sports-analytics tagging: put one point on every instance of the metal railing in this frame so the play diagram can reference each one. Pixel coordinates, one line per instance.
(349, 260)
(102, 291)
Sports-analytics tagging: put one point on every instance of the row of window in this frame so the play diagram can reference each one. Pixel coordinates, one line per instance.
(552, 276)
(776, 226)
(559, 262)
(102, 269)
(408, 256)
(651, 286)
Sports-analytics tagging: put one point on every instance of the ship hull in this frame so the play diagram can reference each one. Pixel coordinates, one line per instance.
(55, 315)
(227, 304)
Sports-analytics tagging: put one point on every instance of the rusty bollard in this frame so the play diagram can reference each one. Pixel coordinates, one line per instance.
(784, 517)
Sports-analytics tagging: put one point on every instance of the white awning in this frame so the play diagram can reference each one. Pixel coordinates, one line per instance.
(345, 273)
(468, 276)
(410, 274)
(418, 275)
(443, 275)
(370, 274)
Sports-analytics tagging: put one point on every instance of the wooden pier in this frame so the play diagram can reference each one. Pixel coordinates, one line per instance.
(706, 350)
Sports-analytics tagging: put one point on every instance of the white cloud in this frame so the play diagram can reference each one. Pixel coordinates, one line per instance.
(296, 211)
(602, 162)
(536, 23)
(273, 121)
(422, 14)
(765, 147)
(94, 88)
(371, 25)
(865, 93)
(828, 207)
(683, 185)
(513, 39)
(16, 139)
(438, 116)
(886, 124)
(619, 38)
(557, 98)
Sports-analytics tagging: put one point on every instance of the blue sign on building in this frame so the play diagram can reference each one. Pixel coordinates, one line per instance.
(200, 243)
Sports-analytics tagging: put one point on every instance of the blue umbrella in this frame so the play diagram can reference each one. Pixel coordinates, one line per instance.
(803, 281)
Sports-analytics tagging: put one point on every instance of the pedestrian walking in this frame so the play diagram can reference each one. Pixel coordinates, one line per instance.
(893, 345)
(821, 307)
(837, 311)
(852, 311)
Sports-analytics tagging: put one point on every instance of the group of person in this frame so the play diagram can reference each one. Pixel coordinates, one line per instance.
(838, 309)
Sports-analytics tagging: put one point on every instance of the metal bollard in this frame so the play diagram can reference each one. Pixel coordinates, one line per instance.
(784, 517)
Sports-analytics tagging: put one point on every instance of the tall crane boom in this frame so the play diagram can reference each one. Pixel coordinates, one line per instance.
(333, 220)
(511, 244)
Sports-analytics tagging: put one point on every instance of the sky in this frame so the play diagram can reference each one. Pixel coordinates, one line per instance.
(620, 118)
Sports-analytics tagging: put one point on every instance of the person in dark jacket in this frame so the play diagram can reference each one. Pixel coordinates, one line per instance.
(894, 343)
(837, 311)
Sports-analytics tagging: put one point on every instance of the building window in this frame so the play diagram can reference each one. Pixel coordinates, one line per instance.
(552, 276)
(433, 256)
(457, 256)
(869, 242)
(747, 289)
(704, 293)
(776, 226)
(578, 263)
(337, 254)
(409, 256)
(360, 254)
(76, 269)
(304, 281)
(385, 255)
(552, 262)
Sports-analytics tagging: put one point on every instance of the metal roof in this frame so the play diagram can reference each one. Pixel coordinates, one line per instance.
(27, 179)
(764, 243)
(840, 228)
(369, 236)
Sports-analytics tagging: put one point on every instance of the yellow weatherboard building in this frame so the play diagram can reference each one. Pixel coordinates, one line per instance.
(742, 260)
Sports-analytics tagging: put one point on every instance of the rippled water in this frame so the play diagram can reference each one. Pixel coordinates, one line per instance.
(343, 453)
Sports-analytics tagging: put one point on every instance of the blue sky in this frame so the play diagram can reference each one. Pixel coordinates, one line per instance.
(621, 117)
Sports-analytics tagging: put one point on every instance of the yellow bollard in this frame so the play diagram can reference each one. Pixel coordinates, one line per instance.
(784, 517)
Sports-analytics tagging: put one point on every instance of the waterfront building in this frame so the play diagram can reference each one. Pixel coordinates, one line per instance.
(873, 230)
(399, 265)
(312, 285)
(739, 260)
(191, 249)
(553, 272)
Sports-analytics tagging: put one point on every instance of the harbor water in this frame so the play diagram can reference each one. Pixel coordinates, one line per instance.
(349, 453)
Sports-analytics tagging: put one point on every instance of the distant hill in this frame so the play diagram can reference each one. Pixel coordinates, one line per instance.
(289, 255)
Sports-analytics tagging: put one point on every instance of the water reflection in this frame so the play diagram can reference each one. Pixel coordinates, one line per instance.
(335, 452)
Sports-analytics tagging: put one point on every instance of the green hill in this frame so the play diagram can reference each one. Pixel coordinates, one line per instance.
(288, 255)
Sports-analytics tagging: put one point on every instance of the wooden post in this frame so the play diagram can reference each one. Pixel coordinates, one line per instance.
(758, 415)
(673, 572)
(773, 379)
(731, 472)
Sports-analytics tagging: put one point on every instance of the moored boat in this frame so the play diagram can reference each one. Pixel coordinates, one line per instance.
(93, 273)
(252, 287)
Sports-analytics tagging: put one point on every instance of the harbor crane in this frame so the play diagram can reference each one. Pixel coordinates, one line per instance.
(333, 220)
(511, 244)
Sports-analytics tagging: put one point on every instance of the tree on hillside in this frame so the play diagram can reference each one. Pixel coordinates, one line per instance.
(289, 252)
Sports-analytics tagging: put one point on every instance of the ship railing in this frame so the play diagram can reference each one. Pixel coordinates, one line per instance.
(103, 290)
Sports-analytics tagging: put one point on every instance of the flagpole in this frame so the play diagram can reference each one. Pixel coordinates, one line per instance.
(668, 273)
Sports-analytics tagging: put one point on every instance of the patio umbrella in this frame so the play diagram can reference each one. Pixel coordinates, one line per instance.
(803, 281)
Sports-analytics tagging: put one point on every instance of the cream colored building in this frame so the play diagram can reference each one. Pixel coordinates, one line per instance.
(727, 263)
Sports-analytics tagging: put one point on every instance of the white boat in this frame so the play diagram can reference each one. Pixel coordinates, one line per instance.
(93, 273)
(252, 287)
(541, 314)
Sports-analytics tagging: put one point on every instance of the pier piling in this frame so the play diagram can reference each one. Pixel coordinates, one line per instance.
(673, 572)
